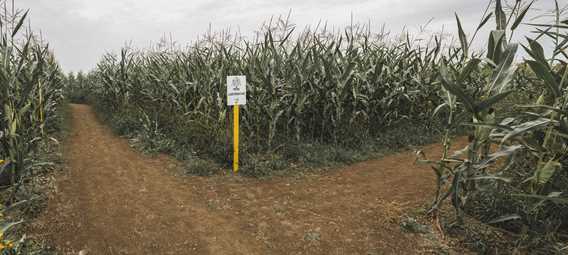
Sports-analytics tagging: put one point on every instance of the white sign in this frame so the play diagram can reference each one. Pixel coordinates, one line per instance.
(236, 90)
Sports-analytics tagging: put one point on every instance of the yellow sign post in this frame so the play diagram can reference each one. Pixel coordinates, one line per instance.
(236, 138)
(236, 95)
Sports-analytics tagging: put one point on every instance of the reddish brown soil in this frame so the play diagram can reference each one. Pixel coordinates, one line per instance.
(114, 200)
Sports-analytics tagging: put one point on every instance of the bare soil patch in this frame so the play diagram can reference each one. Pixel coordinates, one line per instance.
(115, 200)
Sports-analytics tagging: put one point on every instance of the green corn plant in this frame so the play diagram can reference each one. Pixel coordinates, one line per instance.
(534, 131)
(315, 87)
(31, 89)
(30, 92)
(477, 100)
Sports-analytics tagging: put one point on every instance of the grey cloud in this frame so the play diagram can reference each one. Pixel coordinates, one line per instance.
(80, 31)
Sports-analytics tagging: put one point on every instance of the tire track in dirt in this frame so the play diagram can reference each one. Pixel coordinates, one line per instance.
(114, 200)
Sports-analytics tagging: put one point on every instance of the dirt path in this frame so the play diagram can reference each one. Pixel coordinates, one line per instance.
(114, 200)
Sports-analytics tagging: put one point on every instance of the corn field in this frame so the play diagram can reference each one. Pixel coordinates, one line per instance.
(30, 92)
(342, 89)
(513, 171)
(346, 89)
(311, 87)
(31, 85)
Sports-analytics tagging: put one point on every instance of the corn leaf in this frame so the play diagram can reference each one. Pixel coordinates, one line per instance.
(521, 16)
(484, 105)
(544, 73)
(20, 23)
(504, 218)
(546, 170)
(500, 17)
(503, 74)
(462, 36)
(455, 90)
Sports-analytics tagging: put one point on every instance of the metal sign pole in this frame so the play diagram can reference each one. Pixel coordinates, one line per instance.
(235, 138)
(236, 96)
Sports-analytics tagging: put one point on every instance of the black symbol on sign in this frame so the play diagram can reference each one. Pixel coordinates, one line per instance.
(236, 83)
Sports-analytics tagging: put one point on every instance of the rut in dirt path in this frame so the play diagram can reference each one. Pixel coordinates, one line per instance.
(114, 200)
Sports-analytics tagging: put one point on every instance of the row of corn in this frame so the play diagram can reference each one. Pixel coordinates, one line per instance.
(342, 89)
(514, 171)
(30, 90)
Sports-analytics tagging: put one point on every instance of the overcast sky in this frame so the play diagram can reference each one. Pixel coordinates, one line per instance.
(81, 31)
